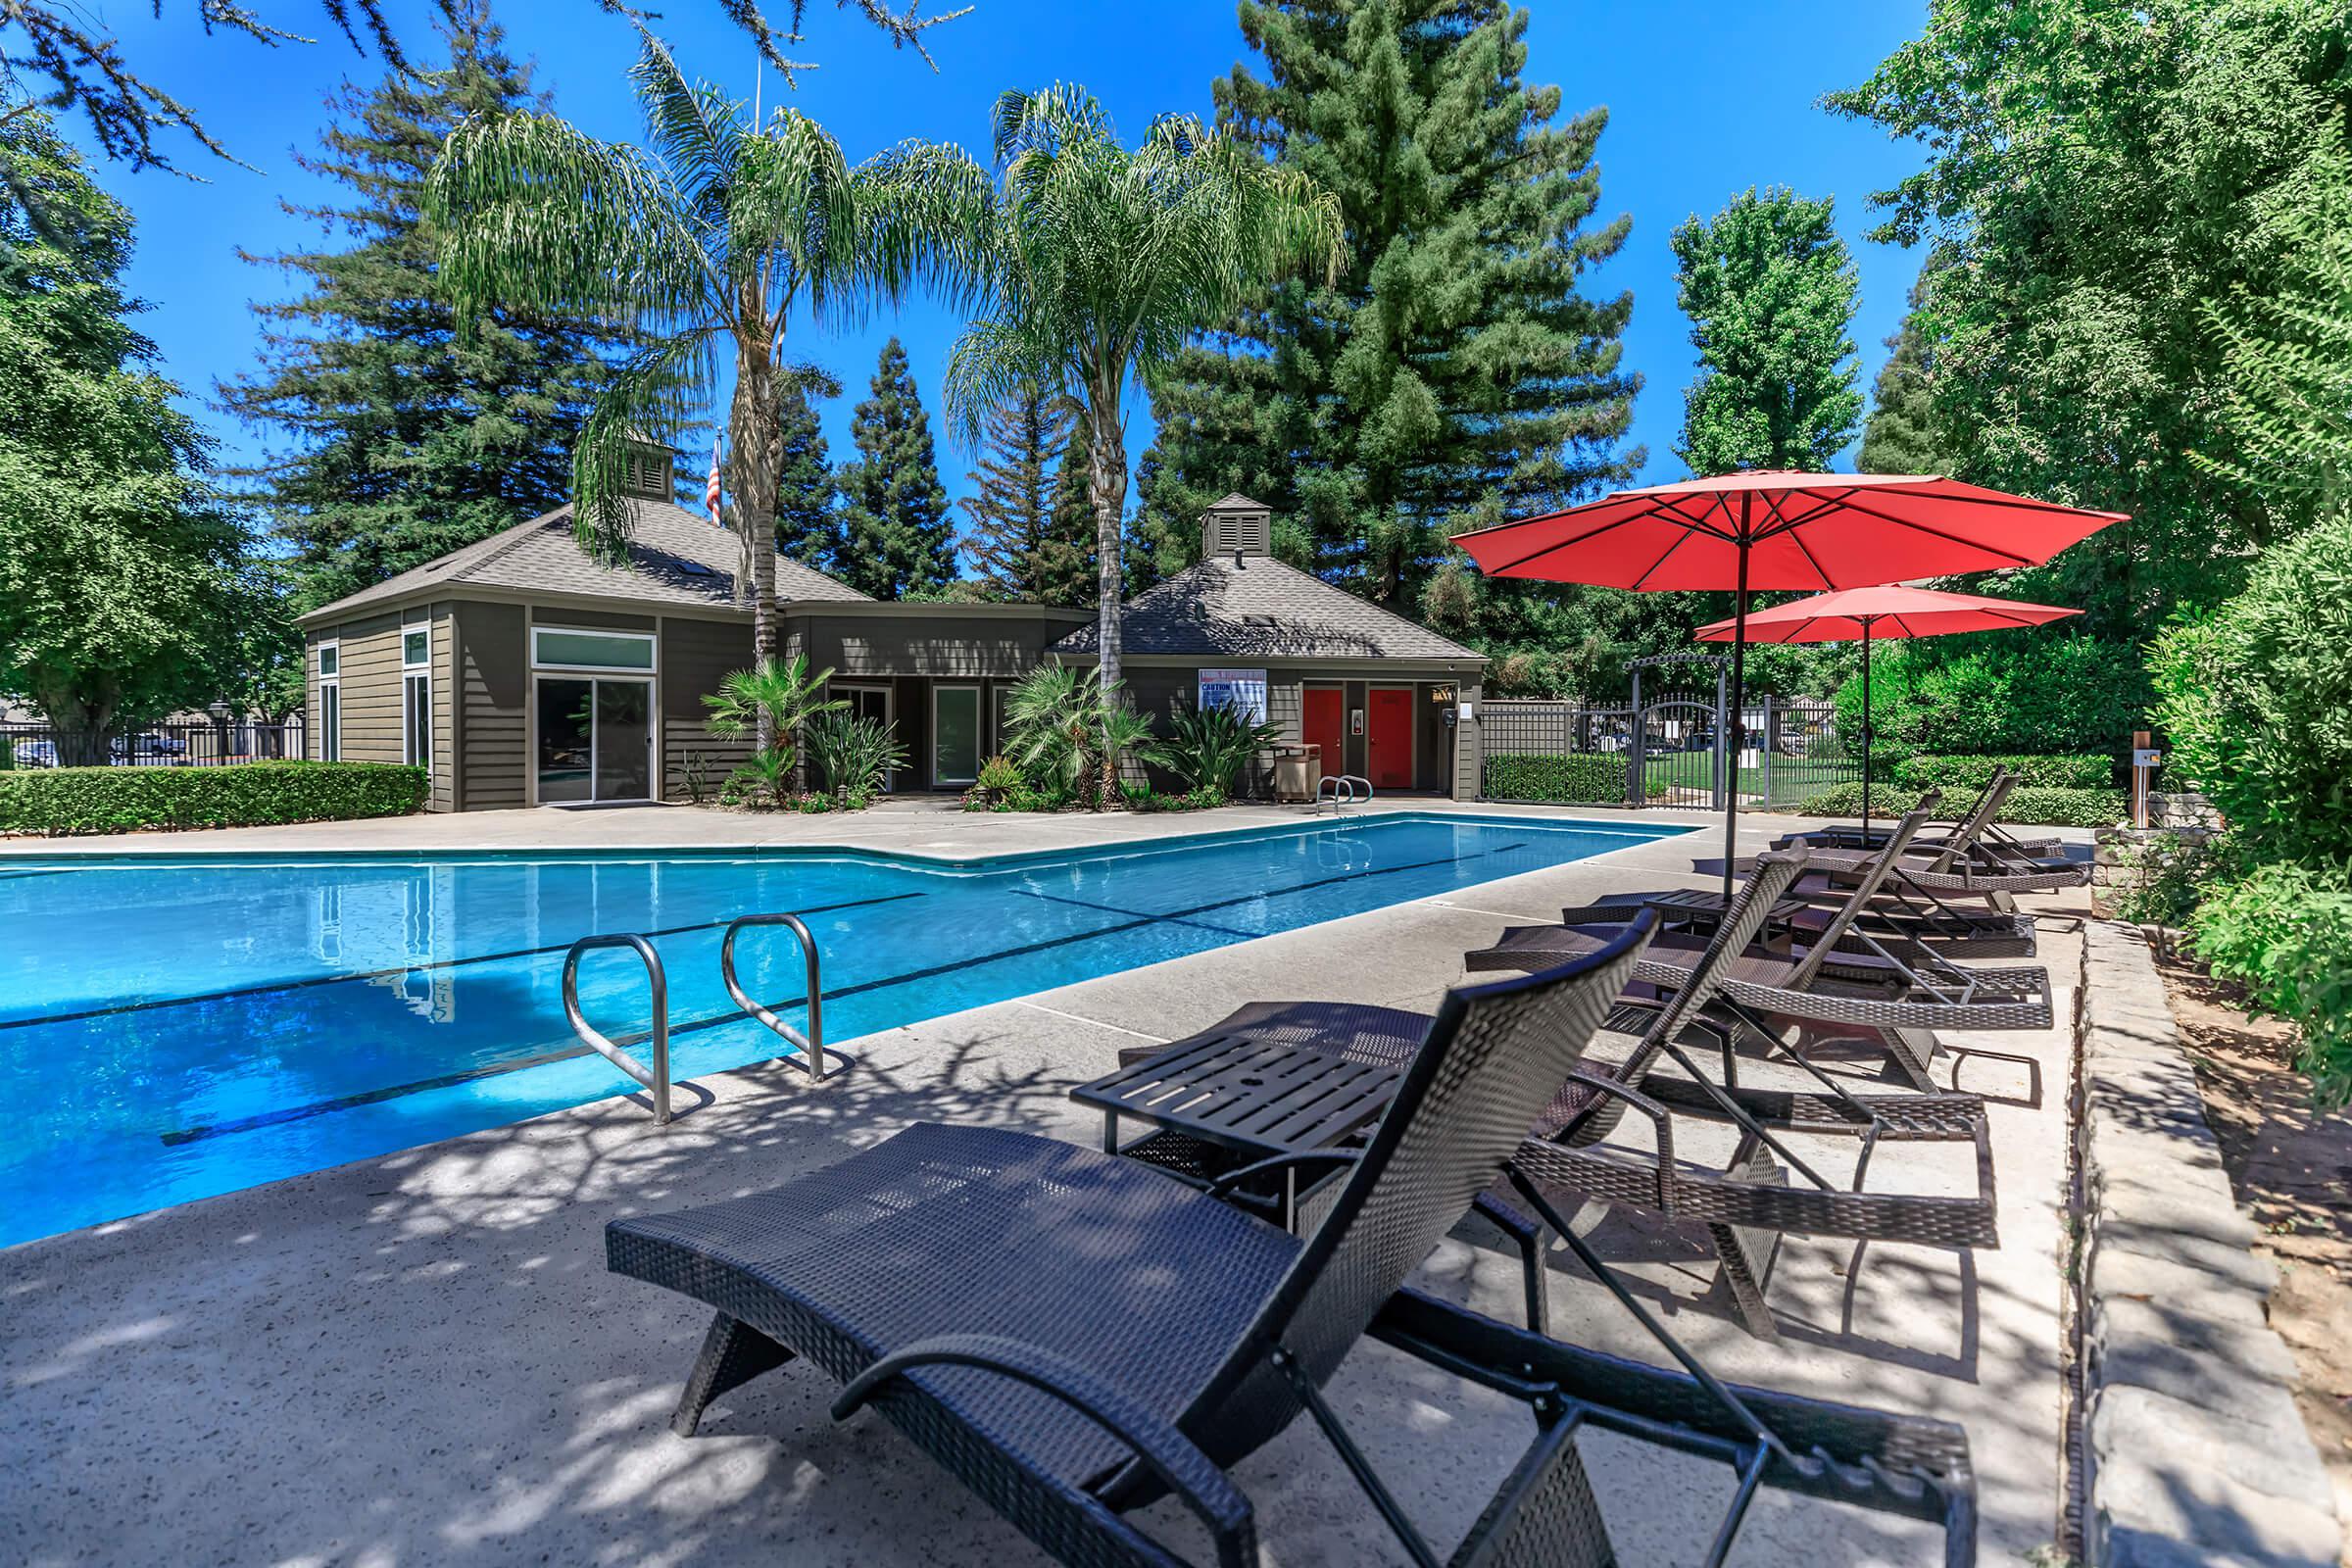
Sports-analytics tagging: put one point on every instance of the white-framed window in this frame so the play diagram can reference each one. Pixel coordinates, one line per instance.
(417, 696)
(955, 734)
(581, 648)
(330, 701)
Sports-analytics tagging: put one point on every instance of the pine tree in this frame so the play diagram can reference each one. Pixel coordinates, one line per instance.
(807, 519)
(399, 445)
(1020, 538)
(900, 538)
(1771, 293)
(1899, 436)
(1456, 372)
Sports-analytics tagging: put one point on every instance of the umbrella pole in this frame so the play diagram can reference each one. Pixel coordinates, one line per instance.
(1866, 630)
(1728, 731)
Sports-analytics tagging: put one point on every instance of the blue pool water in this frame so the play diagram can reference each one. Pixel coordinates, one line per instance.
(192, 1027)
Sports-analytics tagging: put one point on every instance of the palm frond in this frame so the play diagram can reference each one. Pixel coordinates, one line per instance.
(654, 394)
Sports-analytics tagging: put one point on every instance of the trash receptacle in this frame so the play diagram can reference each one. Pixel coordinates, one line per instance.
(1298, 773)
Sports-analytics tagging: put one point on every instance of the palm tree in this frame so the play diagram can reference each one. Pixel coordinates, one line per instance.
(703, 245)
(1100, 262)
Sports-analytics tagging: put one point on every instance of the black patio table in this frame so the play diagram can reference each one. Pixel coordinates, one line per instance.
(1223, 1100)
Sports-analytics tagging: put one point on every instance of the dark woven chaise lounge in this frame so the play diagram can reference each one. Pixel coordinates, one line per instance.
(1975, 862)
(1748, 1203)
(1073, 1335)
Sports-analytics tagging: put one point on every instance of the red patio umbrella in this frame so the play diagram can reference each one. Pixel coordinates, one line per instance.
(1867, 613)
(1777, 528)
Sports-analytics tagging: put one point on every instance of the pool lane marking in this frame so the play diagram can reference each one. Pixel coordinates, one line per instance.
(1138, 914)
(320, 1107)
(363, 975)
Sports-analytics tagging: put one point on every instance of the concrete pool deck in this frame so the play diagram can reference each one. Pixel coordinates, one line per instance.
(420, 1359)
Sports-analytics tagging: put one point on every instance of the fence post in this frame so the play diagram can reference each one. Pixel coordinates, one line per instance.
(1764, 761)
(1636, 768)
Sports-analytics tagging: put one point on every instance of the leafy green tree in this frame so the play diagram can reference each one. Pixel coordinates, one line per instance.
(1025, 541)
(1900, 436)
(2287, 362)
(899, 538)
(124, 581)
(807, 506)
(1456, 370)
(1770, 292)
(2094, 173)
(1101, 261)
(708, 240)
(401, 441)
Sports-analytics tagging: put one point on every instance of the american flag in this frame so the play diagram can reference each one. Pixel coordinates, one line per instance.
(710, 490)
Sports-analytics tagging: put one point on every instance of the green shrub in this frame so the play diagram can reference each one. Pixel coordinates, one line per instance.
(2285, 932)
(2164, 877)
(2058, 770)
(2001, 692)
(2255, 699)
(999, 774)
(1207, 748)
(120, 799)
(1589, 777)
(2041, 805)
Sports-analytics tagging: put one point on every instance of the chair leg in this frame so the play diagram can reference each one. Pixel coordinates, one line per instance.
(1527, 1235)
(1746, 1253)
(1914, 1051)
(1544, 1513)
(733, 1353)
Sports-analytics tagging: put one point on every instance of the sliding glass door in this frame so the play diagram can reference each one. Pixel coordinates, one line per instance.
(595, 740)
(955, 735)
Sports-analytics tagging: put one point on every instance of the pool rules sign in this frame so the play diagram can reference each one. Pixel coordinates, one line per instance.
(1241, 690)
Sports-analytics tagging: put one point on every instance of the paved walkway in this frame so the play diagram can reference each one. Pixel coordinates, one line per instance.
(420, 1359)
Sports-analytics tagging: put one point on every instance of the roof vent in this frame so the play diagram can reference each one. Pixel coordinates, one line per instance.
(650, 469)
(1237, 526)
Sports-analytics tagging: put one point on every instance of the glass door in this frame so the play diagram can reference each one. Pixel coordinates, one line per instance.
(595, 740)
(624, 740)
(955, 735)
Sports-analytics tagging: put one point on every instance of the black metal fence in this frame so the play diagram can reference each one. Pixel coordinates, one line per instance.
(186, 744)
(1793, 751)
(1670, 751)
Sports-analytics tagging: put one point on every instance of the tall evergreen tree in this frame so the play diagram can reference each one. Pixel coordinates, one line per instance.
(808, 512)
(1899, 436)
(901, 537)
(1455, 370)
(1771, 293)
(1024, 540)
(399, 442)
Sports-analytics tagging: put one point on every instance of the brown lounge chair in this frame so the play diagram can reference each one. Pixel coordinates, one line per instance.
(1746, 1206)
(1902, 1000)
(1851, 836)
(1966, 865)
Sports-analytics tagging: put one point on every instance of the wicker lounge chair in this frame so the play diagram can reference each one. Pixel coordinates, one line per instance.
(1746, 1206)
(1968, 863)
(1902, 1000)
(1073, 1335)
(1851, 836)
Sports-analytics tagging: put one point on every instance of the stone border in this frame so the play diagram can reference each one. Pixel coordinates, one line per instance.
(2196, 1452)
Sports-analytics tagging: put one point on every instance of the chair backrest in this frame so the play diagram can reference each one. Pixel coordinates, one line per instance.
(1774, 872)
(1963, 838)
(1495, 1055)
(1875, 871)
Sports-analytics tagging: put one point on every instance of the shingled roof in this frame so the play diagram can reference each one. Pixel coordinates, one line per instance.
(1262, 610)
(675, 558)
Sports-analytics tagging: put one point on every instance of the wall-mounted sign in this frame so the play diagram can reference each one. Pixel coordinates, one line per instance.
(1441, 696)
(1241, 690)
(2146, 756)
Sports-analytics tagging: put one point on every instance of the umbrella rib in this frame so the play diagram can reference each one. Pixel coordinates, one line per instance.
(1812, 559)
(1562, 544)
(1663, 557)
(1939, 533)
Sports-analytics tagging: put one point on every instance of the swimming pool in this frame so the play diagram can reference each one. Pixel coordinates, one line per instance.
(192, 1026)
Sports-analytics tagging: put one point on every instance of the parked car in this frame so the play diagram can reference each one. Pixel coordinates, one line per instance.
(148, 750)
(36, 753)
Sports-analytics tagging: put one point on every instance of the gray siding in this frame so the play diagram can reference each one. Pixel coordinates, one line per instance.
(370, 678)
(445, 730)
(492, 744)
(695, 656)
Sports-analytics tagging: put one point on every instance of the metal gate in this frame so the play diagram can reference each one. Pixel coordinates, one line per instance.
(1663, 748)
(1678, 743)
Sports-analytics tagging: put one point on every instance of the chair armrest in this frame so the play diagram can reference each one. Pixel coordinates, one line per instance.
(1163, 1449)
(1274, 1162)
(1659, 1117)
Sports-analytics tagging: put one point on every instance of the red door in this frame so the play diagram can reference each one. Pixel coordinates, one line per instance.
(1325, 725)
(1389, 726)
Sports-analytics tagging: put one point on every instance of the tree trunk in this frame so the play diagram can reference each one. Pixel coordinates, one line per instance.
(751, 430)
(1106, 484)
(81, 722)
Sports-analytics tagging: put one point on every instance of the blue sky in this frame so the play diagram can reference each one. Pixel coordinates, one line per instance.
(1706, 97)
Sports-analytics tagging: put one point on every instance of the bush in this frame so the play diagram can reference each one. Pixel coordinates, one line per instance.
(120, 799)
(2255, 699)
(2006, 691)
(2164, 877)
(1143, 798)
(1591, 777)
(2285, 932)
(1207, 748)
(2053, 808)
(2058, 770)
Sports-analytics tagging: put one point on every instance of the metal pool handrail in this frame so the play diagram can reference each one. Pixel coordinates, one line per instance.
(1338, 782)
(810, 1046)
(655, 1078)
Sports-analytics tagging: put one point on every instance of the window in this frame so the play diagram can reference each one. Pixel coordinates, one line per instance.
(417, 696)
(553, 647)
(331, 702)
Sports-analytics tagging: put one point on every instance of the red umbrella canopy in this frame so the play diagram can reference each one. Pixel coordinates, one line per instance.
(1889, 611)
(1808, 531)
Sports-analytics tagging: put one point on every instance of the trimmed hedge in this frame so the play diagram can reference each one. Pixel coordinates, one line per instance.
(2285, 932)
(1590, 778)
(2057, 770)
(120, 799)
(2039, 805)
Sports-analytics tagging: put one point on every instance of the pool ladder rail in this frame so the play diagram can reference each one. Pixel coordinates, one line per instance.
(1344, 790)
(810, 1046)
